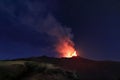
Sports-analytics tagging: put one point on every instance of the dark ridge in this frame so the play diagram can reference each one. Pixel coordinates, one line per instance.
(88, 69)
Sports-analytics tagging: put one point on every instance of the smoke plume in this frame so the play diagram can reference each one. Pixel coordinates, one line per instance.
(62, 35)
(37, 16)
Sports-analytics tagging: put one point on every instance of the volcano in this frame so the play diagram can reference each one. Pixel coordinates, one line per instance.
(51, 68)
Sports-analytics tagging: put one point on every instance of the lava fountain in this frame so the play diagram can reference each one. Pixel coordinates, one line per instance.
(66, 48)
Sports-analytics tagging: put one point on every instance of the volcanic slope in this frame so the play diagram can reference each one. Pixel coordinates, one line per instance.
(49, 68)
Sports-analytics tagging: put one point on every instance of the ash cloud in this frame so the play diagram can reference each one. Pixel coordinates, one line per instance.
(53, 28)
(29, 16)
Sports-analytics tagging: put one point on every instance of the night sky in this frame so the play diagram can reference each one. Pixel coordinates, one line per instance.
(26, 27)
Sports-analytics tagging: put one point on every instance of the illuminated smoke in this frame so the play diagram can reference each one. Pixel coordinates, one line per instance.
(64, 44)
(35, 15)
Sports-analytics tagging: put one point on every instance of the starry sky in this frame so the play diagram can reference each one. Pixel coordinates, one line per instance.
(26, 27)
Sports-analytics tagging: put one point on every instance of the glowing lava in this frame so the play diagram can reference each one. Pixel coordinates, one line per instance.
(66, 48)
(72, 54)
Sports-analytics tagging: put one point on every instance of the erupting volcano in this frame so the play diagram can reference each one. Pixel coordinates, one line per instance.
(62, 37)
(66, 48)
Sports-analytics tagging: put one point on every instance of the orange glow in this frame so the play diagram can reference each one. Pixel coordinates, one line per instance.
(71, 54)
(74, 54)
(66, 48)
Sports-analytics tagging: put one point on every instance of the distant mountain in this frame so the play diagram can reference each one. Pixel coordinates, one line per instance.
(75, 68)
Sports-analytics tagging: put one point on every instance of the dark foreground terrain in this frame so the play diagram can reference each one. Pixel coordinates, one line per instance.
(48, 68)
